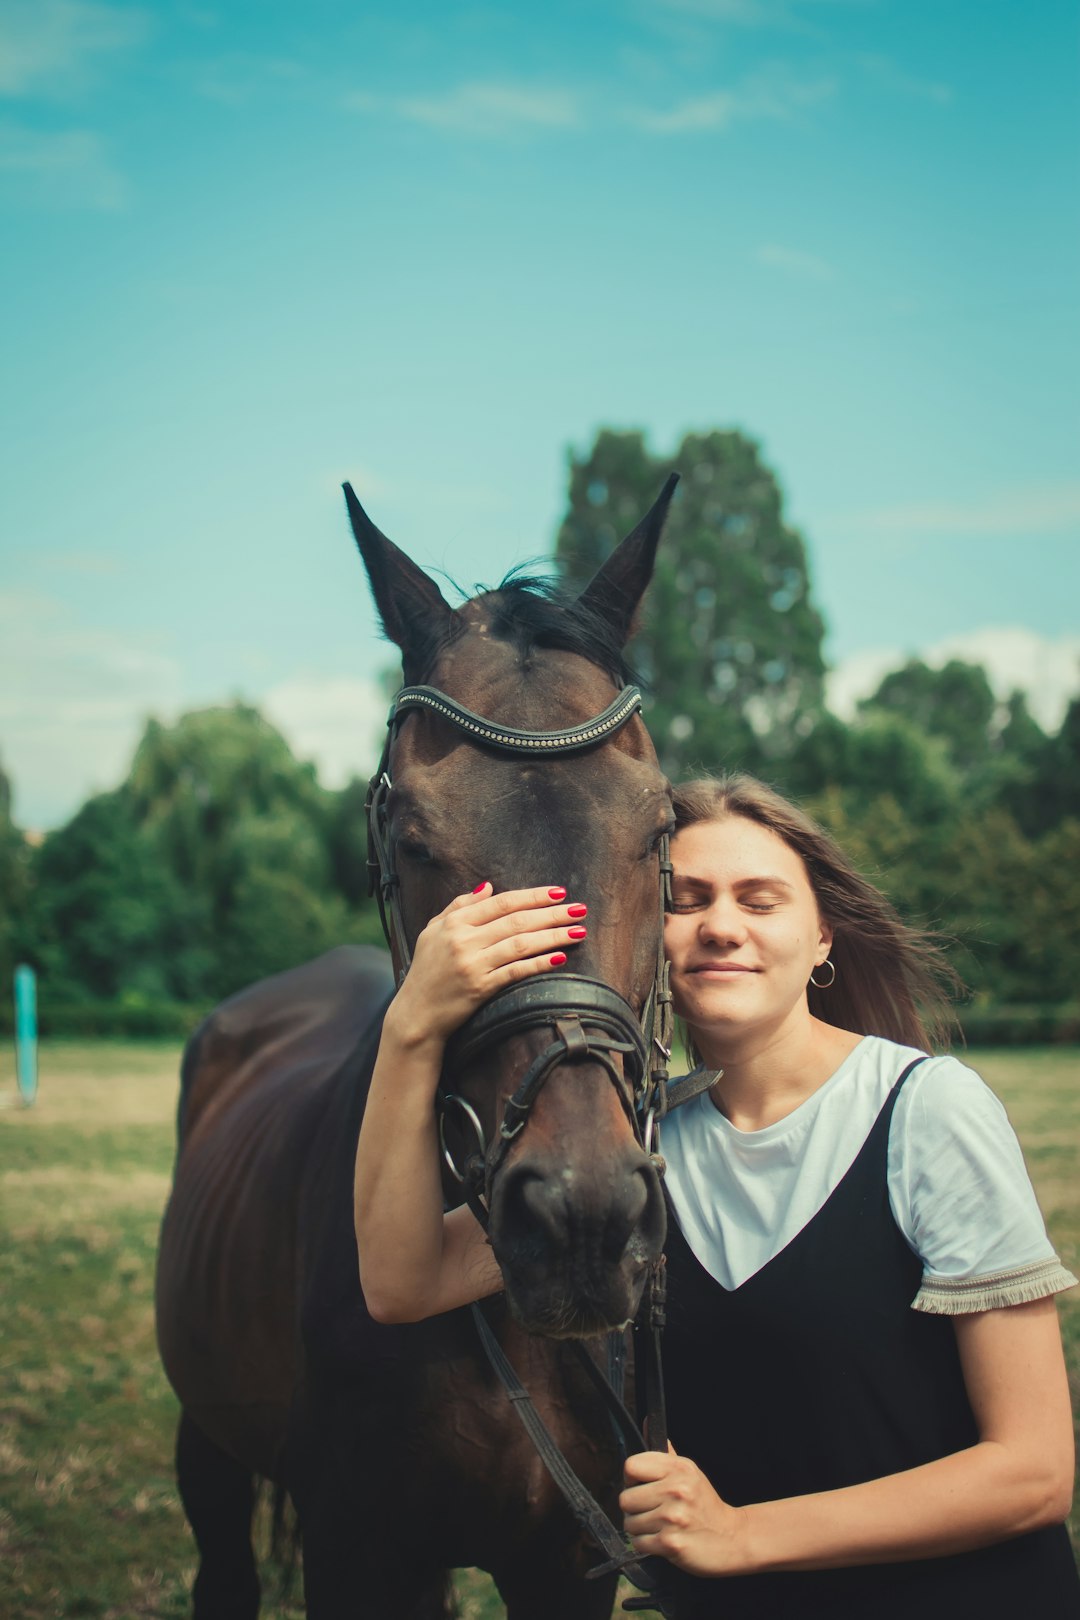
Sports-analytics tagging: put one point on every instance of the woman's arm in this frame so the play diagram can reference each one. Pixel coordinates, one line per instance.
(416, 1261)
(1017, 1477)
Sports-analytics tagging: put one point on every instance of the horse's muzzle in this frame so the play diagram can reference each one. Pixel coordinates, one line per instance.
(575, 1240)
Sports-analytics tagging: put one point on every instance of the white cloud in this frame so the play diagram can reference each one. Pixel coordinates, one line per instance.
(68, 168)
(795, 15)
(73, 702)
(1046, 670)
(481, 108)
(49, 44)
(490, 109)
(804, 266)
(888, 76)
(1035, 509)
(745, 13)
(337, 722)
(80, 562)
(236, 79)
(771, 94)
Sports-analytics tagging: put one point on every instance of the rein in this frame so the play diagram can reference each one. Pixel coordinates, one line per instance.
(591, 1023)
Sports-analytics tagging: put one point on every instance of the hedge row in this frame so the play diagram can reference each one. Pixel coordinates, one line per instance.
(173, 1020)
(1021, 1026)
(150, 1020)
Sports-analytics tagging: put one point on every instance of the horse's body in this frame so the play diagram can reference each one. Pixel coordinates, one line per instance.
(397, 1444)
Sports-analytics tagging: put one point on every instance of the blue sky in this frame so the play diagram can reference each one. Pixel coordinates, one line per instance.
(254, 248)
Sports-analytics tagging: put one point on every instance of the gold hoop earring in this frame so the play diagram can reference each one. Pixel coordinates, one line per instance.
(824, 984)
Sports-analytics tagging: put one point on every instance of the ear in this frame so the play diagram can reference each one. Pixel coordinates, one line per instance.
(615, 591)
(410, 605)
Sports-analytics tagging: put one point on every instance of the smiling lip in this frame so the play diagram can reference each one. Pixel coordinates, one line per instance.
(722, 967)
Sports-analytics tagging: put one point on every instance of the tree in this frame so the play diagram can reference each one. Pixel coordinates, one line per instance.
(955, 703)
(109, 915)
(1051, 791)
(243, 824)
(210, 867)
(730, 647)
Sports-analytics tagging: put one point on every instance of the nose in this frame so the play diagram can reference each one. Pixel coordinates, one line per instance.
(722, 923)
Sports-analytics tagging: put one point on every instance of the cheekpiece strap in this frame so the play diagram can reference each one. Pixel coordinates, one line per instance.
(510, 739)
(691, 1085)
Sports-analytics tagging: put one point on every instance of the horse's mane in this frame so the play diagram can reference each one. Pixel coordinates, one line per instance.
(533, 610)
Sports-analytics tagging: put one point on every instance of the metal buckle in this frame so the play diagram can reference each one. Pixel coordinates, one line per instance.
(474, 1120)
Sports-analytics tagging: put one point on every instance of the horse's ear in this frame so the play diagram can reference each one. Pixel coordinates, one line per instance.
(410, 605)
(616, 589)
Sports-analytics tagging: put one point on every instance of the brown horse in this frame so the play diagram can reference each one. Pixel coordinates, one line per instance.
(398, 1447)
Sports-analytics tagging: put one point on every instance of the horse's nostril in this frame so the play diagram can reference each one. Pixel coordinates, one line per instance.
(625, 1217)
(544, 1208)
(653, 1223)
(545, 1215)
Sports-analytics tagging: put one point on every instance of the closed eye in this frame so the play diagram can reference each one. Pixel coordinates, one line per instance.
(689, 901)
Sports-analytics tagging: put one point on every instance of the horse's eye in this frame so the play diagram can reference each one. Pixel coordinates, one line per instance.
(654, 842)
(414, 850)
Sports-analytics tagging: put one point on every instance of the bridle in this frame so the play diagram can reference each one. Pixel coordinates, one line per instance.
(591, 1021)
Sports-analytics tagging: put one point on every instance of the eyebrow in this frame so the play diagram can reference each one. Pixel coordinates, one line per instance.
(740, 883)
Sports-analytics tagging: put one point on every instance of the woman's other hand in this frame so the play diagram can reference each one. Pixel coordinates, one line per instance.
(670, 1509)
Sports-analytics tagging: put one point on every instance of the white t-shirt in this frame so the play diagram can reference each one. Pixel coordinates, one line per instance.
(958, 1188)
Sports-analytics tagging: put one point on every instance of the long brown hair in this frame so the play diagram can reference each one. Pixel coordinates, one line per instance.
(891, 978)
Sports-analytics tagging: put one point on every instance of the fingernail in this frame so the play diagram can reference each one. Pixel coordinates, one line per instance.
(556, 894)
(558, 959)
(480, 886)
(577, 911)
(577, 933)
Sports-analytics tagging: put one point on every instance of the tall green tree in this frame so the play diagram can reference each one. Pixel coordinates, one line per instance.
(954, 703)
(109, 916)
(730, 645)
(217, 862)
(243, 824)
(1051, 790)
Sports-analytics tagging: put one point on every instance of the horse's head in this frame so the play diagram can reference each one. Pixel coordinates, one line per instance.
(576, 1212)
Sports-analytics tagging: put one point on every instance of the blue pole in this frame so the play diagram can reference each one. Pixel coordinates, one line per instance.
(26, 1067)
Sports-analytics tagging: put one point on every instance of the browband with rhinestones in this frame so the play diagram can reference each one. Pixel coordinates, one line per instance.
(509, 738)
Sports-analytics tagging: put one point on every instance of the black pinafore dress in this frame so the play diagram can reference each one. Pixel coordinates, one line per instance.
(815, 1374)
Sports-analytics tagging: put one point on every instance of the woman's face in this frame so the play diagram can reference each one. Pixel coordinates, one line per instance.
(744, 932)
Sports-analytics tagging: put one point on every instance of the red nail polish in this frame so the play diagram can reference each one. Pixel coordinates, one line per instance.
(577, 933)
(480, 886)
(556, 894)
(558, 959)
(577, 911)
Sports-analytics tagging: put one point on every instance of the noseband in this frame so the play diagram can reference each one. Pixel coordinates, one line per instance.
(591, 1022)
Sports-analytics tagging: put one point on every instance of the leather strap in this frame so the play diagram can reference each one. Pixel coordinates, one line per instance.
(588, 1513)
(512, 739)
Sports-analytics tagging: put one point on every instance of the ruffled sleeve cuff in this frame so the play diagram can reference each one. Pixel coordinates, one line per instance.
(963, 1296)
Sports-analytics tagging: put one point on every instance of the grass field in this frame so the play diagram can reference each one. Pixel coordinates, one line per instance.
(90, 1524)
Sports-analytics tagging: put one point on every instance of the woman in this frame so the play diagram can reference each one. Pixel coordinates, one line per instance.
(863, 1356)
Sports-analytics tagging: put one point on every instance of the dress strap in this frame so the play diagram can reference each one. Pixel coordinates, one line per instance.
(890, 1101)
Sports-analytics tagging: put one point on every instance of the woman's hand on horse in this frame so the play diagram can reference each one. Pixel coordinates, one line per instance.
(670, 1509)
(480, 944)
